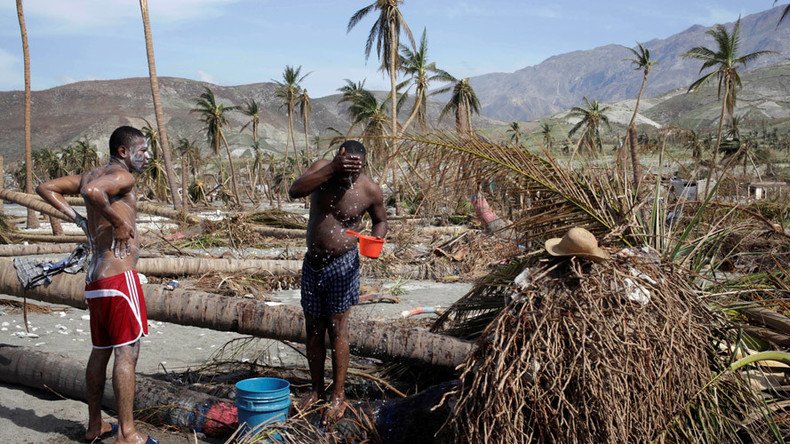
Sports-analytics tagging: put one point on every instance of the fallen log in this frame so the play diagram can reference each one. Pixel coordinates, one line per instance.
(37, 203)
(183, 266)
(32, 201)
(379, 339)
(157, 402)
(47, 238)
(288, 233)
(769, 318)
(34, 249)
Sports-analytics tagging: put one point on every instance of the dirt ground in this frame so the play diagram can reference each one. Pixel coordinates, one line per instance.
(36, 416)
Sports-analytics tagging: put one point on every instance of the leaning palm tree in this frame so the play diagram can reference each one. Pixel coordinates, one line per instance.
(415, 64)
(349, 93)
(158, 111)
(545, 131)
(252, 110)
(591, 117)
(305, 108)
(214, 118)
(725, 60)
(385, 32)
(288, 90)
(463, 102)
(641, 61)
(514, 129)
(32, 219)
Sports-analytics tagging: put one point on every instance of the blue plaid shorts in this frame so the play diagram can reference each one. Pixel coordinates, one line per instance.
(332, 289)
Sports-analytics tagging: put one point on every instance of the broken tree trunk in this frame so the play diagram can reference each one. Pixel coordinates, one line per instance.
(158, 402)
(182, 266)
(30, 250)
(290, 233)
(48, 238)
(32, 201)
(35, 202)
(380, 339)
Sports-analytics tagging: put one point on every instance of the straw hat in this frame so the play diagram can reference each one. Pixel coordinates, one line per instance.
(576, 242)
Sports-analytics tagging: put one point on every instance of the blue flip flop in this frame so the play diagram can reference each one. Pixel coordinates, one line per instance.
(151, 440)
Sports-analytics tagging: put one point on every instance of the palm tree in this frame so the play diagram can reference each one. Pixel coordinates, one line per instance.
(158, 111)
(514, 129)
(252, 110)
(463, 102)
(349, 93)
(371, 113)
(385, 32)
(545, 131)
(641, 61)
(416, 65)
(305, 108)
(88, 157)
(288, 90)
(32, 219)
(591, 116)
(214, 118)
(725, 60)
(186, 148)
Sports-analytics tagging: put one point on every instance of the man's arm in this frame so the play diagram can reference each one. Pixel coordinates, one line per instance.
(377, 212)
(98, 193)
(53, 191)
(323, 170)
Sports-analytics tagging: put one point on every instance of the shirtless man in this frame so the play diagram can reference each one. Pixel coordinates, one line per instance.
(339, 195)
(113, 290)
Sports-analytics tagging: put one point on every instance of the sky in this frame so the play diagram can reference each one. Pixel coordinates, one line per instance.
(235, 42)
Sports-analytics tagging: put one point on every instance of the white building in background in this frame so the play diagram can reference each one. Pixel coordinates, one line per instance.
(768, 190)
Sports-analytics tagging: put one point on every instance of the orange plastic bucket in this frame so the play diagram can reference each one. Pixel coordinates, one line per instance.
(369, 246)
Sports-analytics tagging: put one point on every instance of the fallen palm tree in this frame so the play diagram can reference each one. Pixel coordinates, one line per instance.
(33, 202)
(620, 351)
(379, 339)
(34, 249)
(47, 238)
(158, 402)
(37, 203)
(182, 266)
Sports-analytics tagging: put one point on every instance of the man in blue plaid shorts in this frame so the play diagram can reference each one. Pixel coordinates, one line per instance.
(339, 196)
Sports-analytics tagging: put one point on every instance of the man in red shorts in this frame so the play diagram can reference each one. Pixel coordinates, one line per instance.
(113, 291)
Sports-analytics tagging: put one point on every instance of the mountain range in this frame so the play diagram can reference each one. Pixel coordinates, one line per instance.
(92, 109)
(560, 82)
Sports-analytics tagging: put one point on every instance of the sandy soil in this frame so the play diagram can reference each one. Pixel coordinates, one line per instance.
(35, 416)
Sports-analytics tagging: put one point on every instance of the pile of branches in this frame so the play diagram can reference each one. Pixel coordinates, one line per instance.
(620, 351)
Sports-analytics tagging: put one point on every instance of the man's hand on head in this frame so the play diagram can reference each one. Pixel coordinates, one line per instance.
(120, 242)
(345, 164)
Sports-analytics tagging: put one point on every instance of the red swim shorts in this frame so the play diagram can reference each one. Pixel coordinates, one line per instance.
(117, 310)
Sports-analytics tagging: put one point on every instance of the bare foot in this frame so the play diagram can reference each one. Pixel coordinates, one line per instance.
(336, 410)
(93, 433)
(308, 401)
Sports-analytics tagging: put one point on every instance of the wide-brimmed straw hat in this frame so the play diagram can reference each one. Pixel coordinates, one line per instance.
(576, 242)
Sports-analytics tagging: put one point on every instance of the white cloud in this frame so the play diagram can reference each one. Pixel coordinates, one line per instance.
(11, 74)
(203, 76)
(84, 16)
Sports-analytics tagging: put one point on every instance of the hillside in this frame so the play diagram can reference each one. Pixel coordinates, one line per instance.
(602, 73)
(93, 109)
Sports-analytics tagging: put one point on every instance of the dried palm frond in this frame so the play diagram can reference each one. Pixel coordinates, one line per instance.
(560, 199)
(620, 351)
